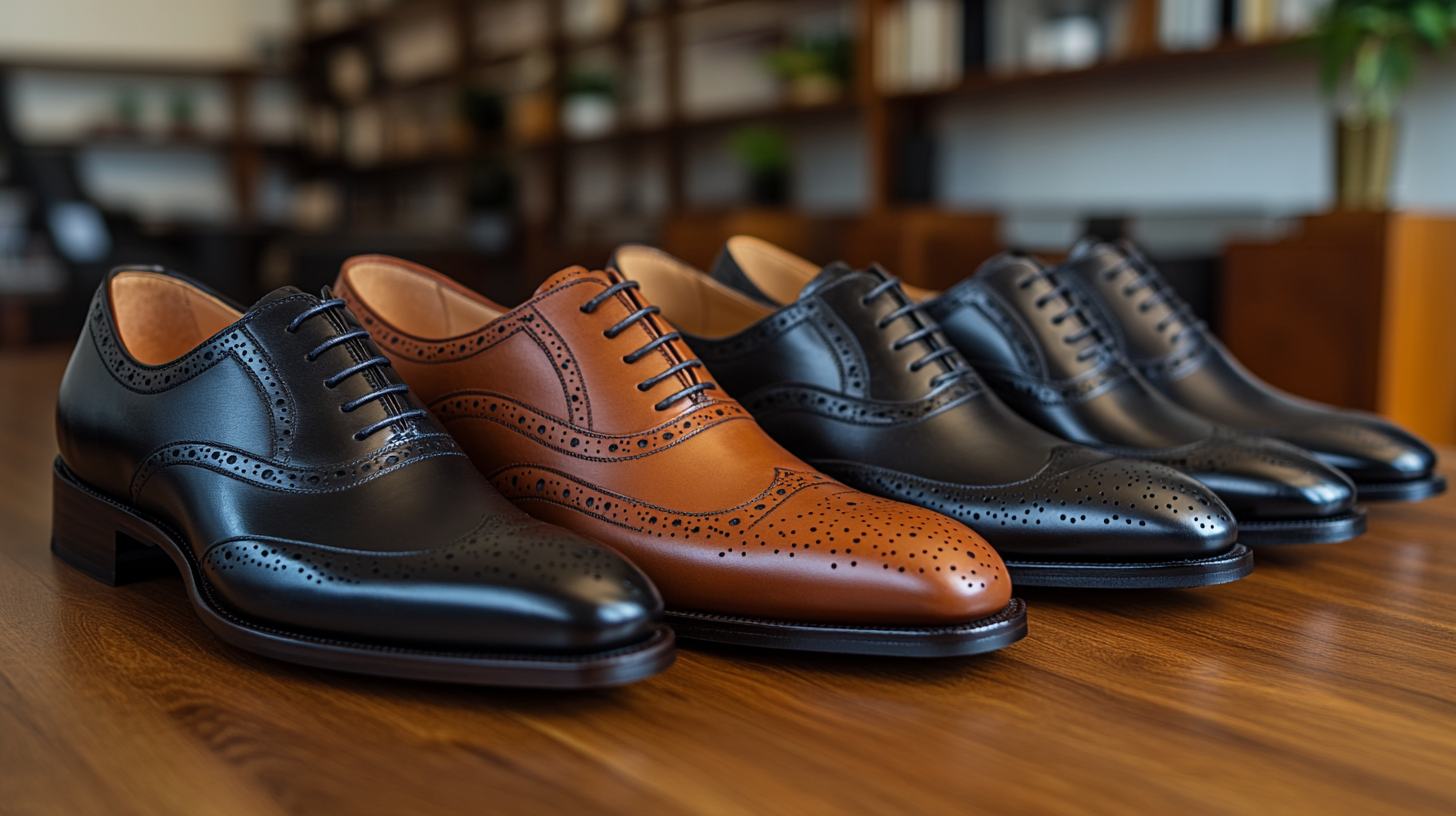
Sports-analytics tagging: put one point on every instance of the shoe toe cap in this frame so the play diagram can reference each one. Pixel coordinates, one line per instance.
(1365, 447)
(841, 556)
(1260, 478)
(513, 583)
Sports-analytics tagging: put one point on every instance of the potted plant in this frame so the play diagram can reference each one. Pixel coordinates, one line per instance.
(1368, 50)
(764, 152)
(589, 104)
(816, 69)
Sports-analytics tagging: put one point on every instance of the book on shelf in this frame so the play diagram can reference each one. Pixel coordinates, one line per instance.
(1190, 25)
(419, 46)
(509, 27)
(919, 47)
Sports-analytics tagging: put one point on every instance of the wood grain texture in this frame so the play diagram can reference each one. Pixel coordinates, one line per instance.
(1323, 684)
(1352, 310)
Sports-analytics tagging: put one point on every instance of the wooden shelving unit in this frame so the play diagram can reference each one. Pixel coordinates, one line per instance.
(886, 118)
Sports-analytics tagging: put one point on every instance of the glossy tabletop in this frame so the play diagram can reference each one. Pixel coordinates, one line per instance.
(1324, 684)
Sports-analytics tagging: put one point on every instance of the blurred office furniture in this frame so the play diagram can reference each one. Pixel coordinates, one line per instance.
(1354, 310)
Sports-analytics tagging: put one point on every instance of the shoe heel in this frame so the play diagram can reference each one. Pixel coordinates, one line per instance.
(100, 539)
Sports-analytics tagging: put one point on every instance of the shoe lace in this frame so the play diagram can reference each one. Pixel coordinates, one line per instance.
(1090, 329)
(1146, 276)
(926, 329)
(591, 306)
(357, 368)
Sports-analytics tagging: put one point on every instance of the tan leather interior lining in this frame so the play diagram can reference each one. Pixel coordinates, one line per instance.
(690, 300)
(781, 274)
(776, 272)
(415, 304)
(160, 318)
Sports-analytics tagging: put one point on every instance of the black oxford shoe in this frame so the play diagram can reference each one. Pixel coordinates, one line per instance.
(1181, 358)
(317, 513)
(1053, 363)
(853, 378)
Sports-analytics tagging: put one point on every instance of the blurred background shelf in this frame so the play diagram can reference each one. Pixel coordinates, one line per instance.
(254, 142)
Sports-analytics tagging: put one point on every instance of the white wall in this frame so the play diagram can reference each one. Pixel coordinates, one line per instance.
(211, 32)
(1218, 144)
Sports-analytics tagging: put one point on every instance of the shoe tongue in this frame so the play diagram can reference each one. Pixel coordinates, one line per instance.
(1090, 248)
(834, 273)
(1007, 266)
(574, 273)
(276, 294)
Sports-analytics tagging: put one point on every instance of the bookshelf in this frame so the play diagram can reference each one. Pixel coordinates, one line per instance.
(533, 141)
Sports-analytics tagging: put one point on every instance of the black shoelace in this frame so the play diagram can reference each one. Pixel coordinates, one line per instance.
(926, 329)
(1089, 328)
(376, 362)
(591, 306)
(1146, 276)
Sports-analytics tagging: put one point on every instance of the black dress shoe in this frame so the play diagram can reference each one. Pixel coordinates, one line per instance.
(852, 378)
(1052, 362)
(317, 513)
(1179, 355)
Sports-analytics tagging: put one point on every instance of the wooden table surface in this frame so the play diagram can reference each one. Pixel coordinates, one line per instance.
(1324, 684)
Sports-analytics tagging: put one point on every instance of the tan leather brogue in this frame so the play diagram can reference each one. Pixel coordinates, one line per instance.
(587, 410)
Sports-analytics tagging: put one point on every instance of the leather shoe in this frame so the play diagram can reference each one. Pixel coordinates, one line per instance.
(586, 409)
(1052, 361)
(1182, 358)
(851, 376)
(317, 512)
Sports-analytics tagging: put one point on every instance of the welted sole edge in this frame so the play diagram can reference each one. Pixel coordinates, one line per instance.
(1187, 573)
(972, 637)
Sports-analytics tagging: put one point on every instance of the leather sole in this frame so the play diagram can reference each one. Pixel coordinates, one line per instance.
(1237, 563)
(1304, 531)
(1414, 490)
(974, 637)
(116, 545)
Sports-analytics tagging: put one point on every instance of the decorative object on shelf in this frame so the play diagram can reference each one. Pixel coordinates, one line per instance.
(182, 113)
(349, 73)
(764, 152)
(584, 20)
(589, 105)
(815, 69)
(1069, 36)
(126, 112)
(1368, 50)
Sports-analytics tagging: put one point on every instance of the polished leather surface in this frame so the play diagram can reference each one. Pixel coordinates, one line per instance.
(1180, 356)
(1051, 362)
(723, 519)
(239, 446)
(824, 379)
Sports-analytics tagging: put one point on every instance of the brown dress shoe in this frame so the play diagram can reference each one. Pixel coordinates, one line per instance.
(587, 410)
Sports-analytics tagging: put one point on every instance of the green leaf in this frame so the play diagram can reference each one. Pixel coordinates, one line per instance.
(1431, 22)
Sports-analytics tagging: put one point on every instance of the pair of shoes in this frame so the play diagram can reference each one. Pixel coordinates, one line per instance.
(320, 513)
(1178, 354)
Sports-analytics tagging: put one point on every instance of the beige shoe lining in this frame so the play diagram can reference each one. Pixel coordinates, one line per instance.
(415, 304)
(777, 272)
(690, 300)
(160, 318)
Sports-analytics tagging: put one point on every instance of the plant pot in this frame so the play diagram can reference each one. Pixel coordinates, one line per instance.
(812, 90)
(588, 116)
(768, 189)
(1364, 155)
